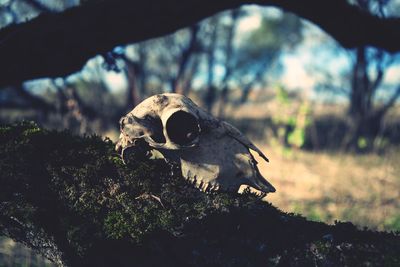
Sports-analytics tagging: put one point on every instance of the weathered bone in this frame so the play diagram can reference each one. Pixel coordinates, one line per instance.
(213, 154)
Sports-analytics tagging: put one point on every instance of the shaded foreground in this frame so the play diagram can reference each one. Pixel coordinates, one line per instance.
(73, 200)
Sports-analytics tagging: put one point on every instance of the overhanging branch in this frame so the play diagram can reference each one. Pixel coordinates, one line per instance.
(390, 102)
(54, 45)
(348, 24)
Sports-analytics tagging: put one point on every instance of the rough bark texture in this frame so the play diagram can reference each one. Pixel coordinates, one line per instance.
(73, 200)
(58, 44)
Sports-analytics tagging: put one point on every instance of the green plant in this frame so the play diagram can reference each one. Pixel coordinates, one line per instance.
(291, 122)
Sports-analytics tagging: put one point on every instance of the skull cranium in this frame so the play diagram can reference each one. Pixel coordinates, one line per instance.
(213, 154)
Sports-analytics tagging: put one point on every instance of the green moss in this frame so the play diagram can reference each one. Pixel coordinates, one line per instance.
(115, 225)
(76, 194)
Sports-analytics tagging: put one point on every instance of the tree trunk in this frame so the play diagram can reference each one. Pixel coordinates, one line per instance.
(185, 57)
(364, 123)
(210, 94)
(132, 91)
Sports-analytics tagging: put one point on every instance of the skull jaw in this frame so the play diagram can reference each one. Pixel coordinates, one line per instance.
(125, 142)
(171, 145)
(144, 147)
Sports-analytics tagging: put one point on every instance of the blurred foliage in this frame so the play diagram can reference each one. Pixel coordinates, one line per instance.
(73, 200)
(362, 142)
(258, 51)
(291, 119)
(393, 222)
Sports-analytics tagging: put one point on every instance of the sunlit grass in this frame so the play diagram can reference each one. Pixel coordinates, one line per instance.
(327, 186)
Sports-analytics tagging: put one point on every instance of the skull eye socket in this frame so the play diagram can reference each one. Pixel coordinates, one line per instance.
(182, 128)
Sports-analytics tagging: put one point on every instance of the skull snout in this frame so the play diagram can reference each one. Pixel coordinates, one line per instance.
(167, 121)
(138, 149)
(149, 128)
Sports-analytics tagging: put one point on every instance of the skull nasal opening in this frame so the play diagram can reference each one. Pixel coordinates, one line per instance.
(182, 128)
(157, 131)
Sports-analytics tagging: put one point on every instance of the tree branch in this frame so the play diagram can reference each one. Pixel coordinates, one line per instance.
(25, 100)
(348, 24)
(78, 204)
(39, 6)
(54, 45)
(391, 101)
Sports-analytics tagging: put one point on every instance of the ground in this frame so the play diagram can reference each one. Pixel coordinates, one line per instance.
(327, 186)
(323, 185)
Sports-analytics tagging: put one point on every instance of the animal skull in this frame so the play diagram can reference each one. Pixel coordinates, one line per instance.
(213, 154)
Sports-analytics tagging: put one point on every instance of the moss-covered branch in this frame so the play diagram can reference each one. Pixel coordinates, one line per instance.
(73, 200)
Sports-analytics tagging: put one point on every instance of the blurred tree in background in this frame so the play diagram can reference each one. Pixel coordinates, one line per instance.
(369, 69)
(213, 57)
(220, 61)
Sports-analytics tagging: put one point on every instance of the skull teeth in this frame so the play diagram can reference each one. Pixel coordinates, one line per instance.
(205, 186)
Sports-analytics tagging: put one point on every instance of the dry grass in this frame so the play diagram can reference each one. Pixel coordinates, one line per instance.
(364, 189)
(327, 186)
